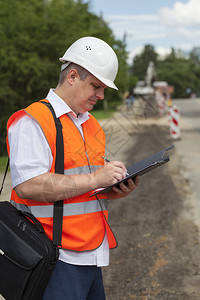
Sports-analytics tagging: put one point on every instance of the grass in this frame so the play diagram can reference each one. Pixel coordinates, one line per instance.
(99, 114)
(3, 163)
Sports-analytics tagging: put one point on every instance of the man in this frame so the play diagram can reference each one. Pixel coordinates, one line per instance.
(89, 66)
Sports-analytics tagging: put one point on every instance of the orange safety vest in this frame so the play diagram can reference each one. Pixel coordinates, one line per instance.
(85, 218)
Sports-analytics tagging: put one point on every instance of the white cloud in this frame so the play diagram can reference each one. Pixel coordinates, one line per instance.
(137, 27)
(162, 51)
(187, 33)
(182, 14)
(133, 18)
(133, 53)
(176, 27)
(130, 23)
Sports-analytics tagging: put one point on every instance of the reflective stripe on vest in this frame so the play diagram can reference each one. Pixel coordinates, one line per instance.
(70, 209)
(81, 170)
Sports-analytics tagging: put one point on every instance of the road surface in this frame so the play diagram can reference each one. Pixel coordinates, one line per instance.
(157, 226)
(188, 148)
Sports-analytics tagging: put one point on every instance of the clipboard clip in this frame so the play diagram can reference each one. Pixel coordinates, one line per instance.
(165, 150)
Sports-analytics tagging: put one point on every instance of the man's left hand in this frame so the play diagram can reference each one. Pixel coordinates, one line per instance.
(124, 189)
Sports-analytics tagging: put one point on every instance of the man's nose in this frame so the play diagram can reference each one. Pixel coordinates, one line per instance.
(100, 94)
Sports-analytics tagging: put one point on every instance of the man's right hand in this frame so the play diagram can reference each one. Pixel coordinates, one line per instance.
(109, 174)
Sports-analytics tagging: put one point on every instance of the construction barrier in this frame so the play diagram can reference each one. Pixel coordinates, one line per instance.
(174, 119)
(161, 101)
(169, 107)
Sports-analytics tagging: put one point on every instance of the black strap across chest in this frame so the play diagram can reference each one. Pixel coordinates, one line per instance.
(59, 168)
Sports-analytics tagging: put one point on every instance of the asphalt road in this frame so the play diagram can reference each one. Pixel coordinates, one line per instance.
(188, 148)
(157, 226)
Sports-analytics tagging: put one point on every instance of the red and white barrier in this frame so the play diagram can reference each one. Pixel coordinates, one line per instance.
(161, 102)
(174, 119)
(169, 113)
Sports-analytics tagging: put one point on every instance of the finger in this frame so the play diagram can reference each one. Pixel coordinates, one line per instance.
(125, 188)
(131, 184)
(117, 191)
(137, 180)
(117, 172)
(128, 188)
(120, 174)
(120, 165)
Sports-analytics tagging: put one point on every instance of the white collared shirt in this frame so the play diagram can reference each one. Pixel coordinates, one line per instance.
(30, 156)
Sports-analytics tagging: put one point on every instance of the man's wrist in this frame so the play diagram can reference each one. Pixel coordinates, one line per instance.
(93, 183)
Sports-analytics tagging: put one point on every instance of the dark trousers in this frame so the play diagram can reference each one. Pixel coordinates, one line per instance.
(71, 282)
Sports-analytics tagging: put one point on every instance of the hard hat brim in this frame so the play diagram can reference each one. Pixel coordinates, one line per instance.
(105, 81)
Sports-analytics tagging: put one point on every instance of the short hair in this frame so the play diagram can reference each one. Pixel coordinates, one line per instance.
(83, 73)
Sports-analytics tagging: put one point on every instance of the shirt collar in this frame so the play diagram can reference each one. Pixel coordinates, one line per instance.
(61, 108)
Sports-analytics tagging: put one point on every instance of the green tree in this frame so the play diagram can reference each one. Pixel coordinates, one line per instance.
(195, 55)
(176, 69)
(34, 34)
(141, 61)
(180, 72)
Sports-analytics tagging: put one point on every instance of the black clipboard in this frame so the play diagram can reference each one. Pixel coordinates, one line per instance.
(150, 163)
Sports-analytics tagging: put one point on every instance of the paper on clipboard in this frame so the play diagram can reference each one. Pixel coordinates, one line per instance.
(140, 168)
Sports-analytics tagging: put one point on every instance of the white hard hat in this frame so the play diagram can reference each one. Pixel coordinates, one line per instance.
(96, 56)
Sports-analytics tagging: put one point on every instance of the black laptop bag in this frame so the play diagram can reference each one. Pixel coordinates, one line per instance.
(27, 256)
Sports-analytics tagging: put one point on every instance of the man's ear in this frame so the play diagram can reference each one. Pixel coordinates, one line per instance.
(72, 76)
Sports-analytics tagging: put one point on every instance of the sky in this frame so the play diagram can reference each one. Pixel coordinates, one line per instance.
(161, 23)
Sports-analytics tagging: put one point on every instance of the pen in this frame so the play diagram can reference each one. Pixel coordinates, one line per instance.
(107, 160)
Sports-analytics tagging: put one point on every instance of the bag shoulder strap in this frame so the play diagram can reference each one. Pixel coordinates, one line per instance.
(4, 177)
(59, 168)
